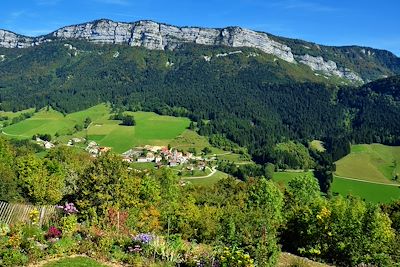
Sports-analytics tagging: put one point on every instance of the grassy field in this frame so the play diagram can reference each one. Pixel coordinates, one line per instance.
(285, 177)
(375, 193)
(150, 129)
(74, 262)
(213, 179)
(191, 139)
(376, 162)
(12, 115)
(234, 158)
(51, 122)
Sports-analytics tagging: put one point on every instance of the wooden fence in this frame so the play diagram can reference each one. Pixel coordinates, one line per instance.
(15, 213)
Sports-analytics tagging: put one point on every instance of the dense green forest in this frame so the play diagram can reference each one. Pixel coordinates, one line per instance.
(253, 99)
(234, 223)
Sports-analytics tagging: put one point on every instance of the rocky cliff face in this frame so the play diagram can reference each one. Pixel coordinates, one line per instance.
(12, 40)
(328, 67)
(158, 36)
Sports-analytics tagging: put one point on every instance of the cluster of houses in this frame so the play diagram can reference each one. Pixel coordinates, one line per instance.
(95, 150)
(159, 155)
(45, 144)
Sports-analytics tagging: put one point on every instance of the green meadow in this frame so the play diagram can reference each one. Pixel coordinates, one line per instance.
(376, 193)
(208, 181)
(191, 139)
(10, 115)
(285, 177)
(375, 162)
(52, 122)
(150, 128)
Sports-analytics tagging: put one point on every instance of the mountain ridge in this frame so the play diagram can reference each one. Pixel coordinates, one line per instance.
(345, 62)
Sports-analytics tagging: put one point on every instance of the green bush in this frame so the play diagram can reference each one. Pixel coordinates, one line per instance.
(69, 225)
(13, 257)
(64, 246)
(235, 257)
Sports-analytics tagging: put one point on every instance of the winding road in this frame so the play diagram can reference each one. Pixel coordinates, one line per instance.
(213, 171)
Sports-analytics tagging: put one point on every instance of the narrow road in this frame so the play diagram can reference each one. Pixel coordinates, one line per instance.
(364, 181)
(213, 171)
(14, 135)
(222, 154)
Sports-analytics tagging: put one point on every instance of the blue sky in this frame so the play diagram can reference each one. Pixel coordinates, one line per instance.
(341, 22)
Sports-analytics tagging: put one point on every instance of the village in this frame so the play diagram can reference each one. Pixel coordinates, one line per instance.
(164, 156)
(159, 155)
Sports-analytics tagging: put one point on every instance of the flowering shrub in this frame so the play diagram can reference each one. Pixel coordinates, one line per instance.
(53, 232)
(69, 224)
(143, 238)
(68, 209)
(235, 257)
(4, 229)
(34, 216)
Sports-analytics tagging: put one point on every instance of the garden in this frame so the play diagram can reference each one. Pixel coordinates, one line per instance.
(113, 214)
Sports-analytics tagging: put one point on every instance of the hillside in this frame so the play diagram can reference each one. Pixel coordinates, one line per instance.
(352, 63)
(253, 98)
(150, 128)
(376, 163)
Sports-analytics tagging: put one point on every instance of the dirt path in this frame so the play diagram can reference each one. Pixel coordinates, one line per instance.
(364, 181)
(213, 171)
(14, 135)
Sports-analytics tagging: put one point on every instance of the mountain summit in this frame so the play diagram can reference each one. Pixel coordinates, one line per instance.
(355, 64)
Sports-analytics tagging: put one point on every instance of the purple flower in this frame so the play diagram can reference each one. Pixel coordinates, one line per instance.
(143, 238)
(69, 208)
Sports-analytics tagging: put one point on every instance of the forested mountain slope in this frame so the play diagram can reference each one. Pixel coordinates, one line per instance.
(252, 97)
(352, 64)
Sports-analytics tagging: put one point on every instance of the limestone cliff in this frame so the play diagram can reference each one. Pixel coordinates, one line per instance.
(158, 36)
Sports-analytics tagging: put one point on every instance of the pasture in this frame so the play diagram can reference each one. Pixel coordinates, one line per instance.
(208, 181)
(191, 139)
(375, 162)
(52, 122)
(41, 122)
(285, 177)
(376, 193)
(150, 129)
(10, 115)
